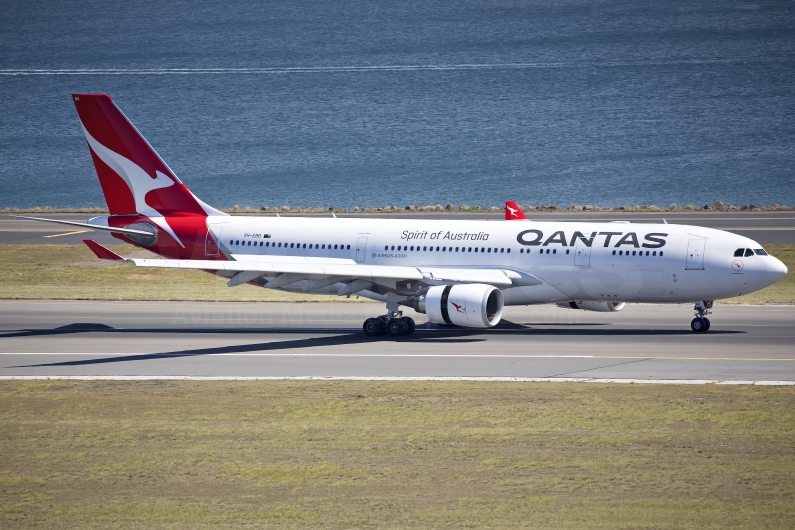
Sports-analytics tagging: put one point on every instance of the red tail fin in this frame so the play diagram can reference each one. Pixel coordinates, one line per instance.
(513, 212)
(134, 179)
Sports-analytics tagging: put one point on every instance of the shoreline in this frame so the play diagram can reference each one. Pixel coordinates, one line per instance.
(449, 208)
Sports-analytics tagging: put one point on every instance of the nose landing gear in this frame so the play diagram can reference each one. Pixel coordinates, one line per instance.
(701, 324)
(393, 324)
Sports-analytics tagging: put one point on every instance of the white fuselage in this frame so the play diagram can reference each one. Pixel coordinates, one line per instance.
(623, 262)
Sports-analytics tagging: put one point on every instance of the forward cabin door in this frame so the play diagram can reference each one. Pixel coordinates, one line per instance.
(361, 249)
(695, 254)
(582, 254)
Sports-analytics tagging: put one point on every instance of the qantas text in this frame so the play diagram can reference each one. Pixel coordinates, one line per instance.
(536, 238)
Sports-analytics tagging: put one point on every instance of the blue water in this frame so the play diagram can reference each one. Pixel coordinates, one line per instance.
(371, 103)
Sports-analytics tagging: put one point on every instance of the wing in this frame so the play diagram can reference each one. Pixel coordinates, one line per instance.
(284, 270)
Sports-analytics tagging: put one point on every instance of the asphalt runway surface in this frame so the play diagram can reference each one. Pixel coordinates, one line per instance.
(643, 343)
(762, 227)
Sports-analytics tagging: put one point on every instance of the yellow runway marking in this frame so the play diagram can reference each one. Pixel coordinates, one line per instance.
(68, 233)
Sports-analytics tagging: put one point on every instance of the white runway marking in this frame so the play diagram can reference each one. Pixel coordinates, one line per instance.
(356, 378)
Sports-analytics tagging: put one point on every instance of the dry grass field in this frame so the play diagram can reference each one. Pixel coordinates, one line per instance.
(72, 272)
(355, 454)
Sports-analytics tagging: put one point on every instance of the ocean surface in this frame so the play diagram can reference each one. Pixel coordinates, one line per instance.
(373, 103)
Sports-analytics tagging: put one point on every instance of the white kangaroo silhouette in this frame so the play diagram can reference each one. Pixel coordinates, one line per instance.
(138, 180)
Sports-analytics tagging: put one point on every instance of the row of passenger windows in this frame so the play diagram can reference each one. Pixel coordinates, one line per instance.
(405, 248)
(639, 252)
(291, 245)
(740, 252)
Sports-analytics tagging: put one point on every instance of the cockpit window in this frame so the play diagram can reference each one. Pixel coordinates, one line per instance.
(739, 253)
(760, 252)
(749, 252)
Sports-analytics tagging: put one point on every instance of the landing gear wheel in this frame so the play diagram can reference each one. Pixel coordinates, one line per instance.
(396, 327)
(706, 321)
(698, 325)
(411, 326)
(372, 327)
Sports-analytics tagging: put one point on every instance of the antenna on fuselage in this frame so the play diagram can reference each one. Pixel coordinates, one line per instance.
(664, 221)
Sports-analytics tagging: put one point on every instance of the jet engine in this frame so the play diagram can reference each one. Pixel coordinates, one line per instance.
(592, 305)
(473, 305)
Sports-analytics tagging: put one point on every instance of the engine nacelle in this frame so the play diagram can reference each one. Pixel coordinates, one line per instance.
(593, 305)
(473, 305)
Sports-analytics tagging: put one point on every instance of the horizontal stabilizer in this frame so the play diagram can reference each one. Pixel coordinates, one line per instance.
(87, 225)
(102, 252)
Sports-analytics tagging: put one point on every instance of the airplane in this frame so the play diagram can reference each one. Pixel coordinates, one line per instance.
(457, 272)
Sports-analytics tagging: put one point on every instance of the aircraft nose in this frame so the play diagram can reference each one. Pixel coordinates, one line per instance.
(777, 269)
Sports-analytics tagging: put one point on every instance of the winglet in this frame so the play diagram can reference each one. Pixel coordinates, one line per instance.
(102, 252)
(513, 212)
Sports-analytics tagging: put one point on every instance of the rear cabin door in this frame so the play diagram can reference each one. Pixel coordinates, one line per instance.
(582, 254)
(361, 249)
(210, 242)
(695, 254)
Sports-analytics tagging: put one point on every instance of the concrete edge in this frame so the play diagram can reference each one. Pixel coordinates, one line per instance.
(358, 378)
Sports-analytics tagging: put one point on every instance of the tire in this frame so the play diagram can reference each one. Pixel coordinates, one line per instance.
(411, 325)
(706, 321)
(396, 328)
(371, 327)
(698, 325)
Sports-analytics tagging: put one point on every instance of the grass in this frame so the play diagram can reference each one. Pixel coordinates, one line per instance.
(355, 454)
(71, 272)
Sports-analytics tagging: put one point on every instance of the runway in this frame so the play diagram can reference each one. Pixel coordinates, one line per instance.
(763, 227)
(643, 343)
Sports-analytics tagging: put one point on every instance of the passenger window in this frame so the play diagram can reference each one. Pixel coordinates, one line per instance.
(541, 251)
(633, 252)
(324, 246)
(305, 245)
(386, 247)
(614, 252)
(249, 243)
(349, 247)
(424, 248)
(620, 252)
(749, 252)
(739, 253)
(335, 247)
(654, 253)
(554, 251)
(567, 251)
(502, 251)
(661, 253)
(760, 252)
(509, 251)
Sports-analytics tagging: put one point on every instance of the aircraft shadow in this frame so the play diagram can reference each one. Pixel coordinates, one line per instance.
(339, 337)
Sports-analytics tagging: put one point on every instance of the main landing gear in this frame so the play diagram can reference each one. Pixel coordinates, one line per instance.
(700, 324)
(393, 324)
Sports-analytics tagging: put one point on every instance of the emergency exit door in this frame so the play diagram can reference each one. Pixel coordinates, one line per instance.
(361, 249)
